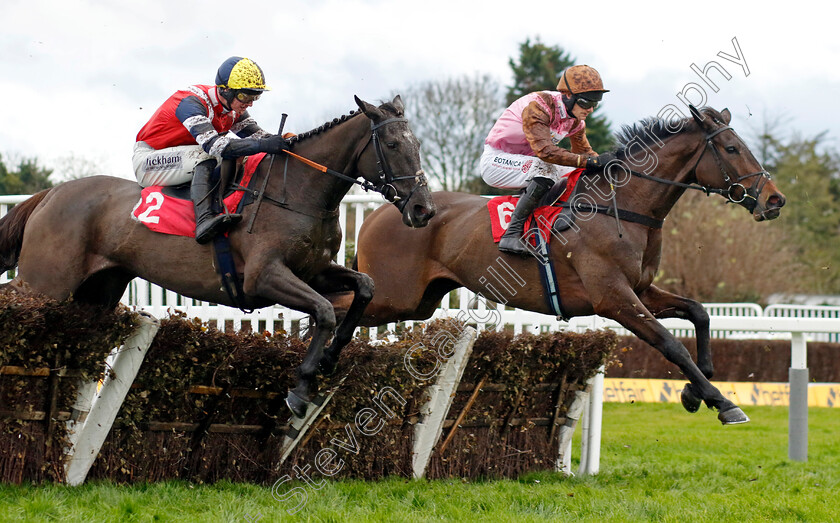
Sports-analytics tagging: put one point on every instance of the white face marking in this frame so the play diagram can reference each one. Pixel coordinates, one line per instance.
(411, 139)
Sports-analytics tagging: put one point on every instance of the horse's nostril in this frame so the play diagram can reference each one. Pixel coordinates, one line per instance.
(423, 211)
(776, 200)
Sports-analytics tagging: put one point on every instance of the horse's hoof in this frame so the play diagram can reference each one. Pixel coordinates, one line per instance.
(296, 404)
(690, 401)
(732, 416)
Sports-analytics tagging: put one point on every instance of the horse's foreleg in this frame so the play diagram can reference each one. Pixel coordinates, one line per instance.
(627, 309)
(664, 304)
(337, 279)
(277, 283)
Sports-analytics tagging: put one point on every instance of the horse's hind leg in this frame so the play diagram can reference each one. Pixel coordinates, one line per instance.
(337, 279)
(663, 304)
(627, 309)
(277, 282)
(104, 288)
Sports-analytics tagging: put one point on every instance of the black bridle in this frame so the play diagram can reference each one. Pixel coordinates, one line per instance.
(735, 191)
(385, 185)
(386, 176)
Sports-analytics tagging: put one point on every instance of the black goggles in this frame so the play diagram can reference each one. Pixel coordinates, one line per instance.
(586, 104)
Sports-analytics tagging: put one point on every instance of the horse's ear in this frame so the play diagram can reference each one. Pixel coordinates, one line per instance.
(398, 103)
(361, 103)
(370, 111)
(696, 115)
(726, 115)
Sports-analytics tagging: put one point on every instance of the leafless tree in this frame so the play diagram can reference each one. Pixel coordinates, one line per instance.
(452, 118)
(73, 167)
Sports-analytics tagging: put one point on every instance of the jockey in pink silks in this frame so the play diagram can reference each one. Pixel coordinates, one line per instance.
(521, 149)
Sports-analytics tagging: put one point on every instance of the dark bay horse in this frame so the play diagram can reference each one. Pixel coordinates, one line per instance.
(603, 266)
(79, 239)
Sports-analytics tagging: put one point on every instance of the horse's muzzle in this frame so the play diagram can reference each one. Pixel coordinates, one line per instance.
(418, 215)
(771, 207)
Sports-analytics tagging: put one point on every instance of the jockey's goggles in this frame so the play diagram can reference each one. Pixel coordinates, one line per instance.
(586, 104)
(247, 98)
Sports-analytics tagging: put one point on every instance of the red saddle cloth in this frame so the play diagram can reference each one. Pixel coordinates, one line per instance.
(170, 215)
(501, 208)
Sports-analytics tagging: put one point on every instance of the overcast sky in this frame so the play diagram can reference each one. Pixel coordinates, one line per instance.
(79, 78)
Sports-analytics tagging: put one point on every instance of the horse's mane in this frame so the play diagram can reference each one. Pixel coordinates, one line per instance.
(645, 130)
(651, 129)
(387, 106)
(320, 129)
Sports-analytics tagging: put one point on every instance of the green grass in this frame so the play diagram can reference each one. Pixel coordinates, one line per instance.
(657, 463)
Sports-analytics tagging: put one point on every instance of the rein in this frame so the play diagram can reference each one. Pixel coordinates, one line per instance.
(730, 192)
(385, 186)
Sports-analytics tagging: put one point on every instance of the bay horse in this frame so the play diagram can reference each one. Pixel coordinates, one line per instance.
(79, 239)
(604, 265)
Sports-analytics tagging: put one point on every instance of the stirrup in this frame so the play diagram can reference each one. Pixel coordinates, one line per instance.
(231, 219)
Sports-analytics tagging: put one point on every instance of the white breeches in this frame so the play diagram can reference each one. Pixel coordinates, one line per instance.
(170, 166)
(514, 171)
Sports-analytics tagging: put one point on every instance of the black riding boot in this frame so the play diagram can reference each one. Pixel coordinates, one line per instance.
(510, 242)
(205, 197)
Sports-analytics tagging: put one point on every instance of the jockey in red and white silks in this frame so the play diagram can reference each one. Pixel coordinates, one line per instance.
(523, 142)
(190, 127)
(187, 138)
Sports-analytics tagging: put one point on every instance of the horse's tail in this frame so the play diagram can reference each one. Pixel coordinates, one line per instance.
(11, 230)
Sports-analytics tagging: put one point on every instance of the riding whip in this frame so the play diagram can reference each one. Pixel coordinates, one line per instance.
(265, 180)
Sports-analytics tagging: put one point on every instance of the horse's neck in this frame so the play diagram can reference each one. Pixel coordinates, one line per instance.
(335, 149)
(675, 162)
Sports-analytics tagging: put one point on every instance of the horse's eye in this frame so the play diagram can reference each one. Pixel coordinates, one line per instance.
(391, 145)
(731, 149)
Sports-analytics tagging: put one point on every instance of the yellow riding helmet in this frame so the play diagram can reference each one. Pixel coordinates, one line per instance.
(581, 79)
(241, 73)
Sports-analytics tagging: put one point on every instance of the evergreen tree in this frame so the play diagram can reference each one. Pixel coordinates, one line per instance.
(808, 175)
(29, 178)
(538, 68)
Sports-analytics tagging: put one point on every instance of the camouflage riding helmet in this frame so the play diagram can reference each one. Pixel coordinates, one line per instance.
(240, 78)
(582, 85)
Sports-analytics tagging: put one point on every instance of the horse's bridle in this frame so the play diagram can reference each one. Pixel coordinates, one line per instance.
(748, 197)
(734, 185)
(385, 186)
(386, 175)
